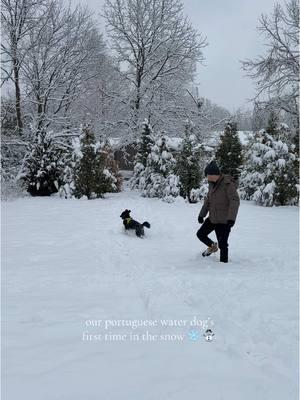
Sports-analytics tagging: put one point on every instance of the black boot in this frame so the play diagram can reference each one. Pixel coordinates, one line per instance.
(224, 255)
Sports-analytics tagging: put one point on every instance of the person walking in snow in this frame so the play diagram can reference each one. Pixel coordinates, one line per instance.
(222, 203)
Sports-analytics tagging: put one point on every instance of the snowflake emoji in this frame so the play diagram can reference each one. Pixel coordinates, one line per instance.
(208, 335)
(194, 335)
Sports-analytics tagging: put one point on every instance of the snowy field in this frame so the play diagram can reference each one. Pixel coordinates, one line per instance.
(68, 264)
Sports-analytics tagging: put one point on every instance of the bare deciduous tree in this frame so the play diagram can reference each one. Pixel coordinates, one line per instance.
(277, 71)
(155, 46)
(18, 18)
(63, 49)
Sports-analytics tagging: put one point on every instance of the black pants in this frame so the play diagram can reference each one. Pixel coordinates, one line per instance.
(222, 232)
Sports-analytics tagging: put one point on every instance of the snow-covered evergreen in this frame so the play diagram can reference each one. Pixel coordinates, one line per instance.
(200, 193)
(229, 152)
(188, 165)
(67, 188)
(42, 168)
(270, 172)
(92, 177)
(144, 149)
(159, 176)
(111, 167)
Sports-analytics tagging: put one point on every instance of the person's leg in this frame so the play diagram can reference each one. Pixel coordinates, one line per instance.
(206, 228)
(222, 232)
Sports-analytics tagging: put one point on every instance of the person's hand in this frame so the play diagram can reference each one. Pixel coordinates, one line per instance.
(230, 223)
(200, 219)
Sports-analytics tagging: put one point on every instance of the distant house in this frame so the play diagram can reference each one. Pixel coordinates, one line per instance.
(13, 150)
(124, 154)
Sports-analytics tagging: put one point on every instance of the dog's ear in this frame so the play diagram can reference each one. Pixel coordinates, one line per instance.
(129, 211)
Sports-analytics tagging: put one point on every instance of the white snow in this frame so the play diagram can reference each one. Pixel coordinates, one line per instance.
(174, 142)
(270, 154)
(244, 137)
(270, 188)
(281, 163)
(67, 262)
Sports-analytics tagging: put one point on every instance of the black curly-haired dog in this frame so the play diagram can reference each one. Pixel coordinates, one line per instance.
(130, 223)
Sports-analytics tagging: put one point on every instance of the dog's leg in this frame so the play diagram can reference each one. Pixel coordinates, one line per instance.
(139, 231)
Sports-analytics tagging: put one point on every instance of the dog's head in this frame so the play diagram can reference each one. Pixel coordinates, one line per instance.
(125, 214)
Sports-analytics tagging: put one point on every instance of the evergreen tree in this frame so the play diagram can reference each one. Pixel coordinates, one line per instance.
(229, 152)
(188, 165)
(145, 143)
(159, 177)
(271, 168)
(90, 165)
(253, 174)
(67, 188)
(112, 167)
(272, 127)
(42, 168)
(143, 151)
(91, 177)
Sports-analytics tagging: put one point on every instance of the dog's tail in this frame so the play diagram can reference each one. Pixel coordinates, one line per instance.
(146, 224)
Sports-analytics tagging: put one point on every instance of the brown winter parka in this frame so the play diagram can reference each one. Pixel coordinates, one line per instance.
(222, 201)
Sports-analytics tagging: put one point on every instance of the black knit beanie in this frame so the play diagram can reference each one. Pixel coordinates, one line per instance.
(212, 169)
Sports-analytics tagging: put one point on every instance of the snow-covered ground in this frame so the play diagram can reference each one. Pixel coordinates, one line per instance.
(66, 263)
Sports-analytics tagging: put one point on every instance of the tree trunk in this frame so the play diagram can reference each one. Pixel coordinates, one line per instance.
(18, 96)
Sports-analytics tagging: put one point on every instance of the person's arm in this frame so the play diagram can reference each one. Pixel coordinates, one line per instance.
(205, 208)
(234, 201)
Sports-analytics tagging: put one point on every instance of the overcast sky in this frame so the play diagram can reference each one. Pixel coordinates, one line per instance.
(230, 28)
